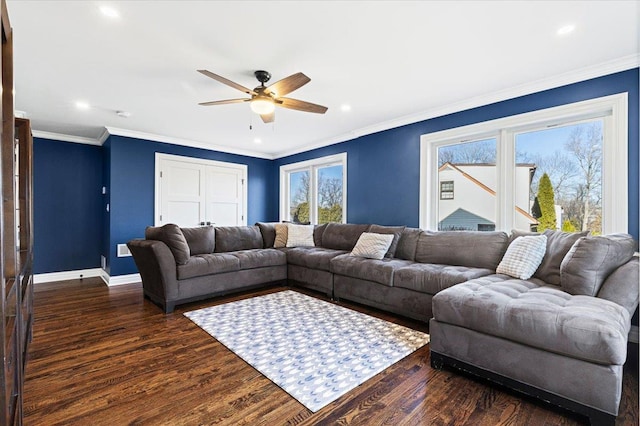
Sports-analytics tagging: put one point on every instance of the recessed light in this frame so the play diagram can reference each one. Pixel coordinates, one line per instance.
(257, 140)
(82, 105)
(109, 12)
(345, 107)
(566, 29)
(123, 114)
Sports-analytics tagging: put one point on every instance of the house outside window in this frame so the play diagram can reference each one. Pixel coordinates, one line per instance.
(562, 168)
(314, 191)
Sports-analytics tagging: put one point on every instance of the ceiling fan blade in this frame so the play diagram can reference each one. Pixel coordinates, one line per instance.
(301, 105)
(227, 82)
(288, 84)
(268, 118)
(226, 101)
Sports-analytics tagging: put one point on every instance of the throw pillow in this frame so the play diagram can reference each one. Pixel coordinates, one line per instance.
(299, 235)
(558, 245)
(172, 236)
(523, 257)
(281, 235)
(591, 260)
(372, 246)
(396, 231)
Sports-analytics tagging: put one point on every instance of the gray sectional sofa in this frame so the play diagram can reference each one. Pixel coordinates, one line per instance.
(560, 335)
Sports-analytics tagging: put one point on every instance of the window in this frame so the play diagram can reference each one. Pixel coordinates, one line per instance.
(446, 190)
(559, 168)
(314, 191)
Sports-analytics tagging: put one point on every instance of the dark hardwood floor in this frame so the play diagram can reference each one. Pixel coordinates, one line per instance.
(106, 356)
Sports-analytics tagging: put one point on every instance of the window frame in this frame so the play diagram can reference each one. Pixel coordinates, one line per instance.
(613, 110)
(312, 167)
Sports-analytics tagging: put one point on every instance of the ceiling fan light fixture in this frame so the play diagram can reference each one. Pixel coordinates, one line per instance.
(262, 105)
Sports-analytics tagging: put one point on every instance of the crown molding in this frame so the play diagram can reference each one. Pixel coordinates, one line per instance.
(68, 138)
(185, 142)
(576, 76)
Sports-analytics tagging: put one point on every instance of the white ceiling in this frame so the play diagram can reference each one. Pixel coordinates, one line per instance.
(392, 62)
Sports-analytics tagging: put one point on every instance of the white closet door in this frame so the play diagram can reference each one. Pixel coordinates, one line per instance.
(183, 193)
(224, 194)
(192, 192)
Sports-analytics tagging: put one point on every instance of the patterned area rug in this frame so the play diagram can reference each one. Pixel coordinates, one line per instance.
(316, 351)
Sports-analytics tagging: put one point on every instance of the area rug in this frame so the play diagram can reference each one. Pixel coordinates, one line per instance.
(314, 350)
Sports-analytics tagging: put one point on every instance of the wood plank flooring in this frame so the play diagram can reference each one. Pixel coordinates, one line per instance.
(107, 356)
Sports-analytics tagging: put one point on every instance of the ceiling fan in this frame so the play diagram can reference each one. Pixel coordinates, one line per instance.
(264, 99)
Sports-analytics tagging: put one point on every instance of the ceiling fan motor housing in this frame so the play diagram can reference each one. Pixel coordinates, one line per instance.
(262, 76)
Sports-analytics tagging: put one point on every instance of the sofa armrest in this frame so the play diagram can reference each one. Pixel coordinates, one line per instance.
(622, 285)
(157, 267)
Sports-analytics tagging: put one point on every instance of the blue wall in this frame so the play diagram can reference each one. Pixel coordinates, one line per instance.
(383, 169)
(130, 188)
(72, 227)
(67, 180)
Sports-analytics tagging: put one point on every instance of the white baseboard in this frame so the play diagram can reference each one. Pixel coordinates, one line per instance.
(66, 275)
(634, 334)
(86, 273)
(120, 279)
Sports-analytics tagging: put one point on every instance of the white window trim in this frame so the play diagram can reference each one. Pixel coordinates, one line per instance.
(614, 162)
(312, 166)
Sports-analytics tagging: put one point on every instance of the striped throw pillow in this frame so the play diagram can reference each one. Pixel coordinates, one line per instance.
(372, 246)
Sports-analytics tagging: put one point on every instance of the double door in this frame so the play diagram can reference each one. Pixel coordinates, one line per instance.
(192, 192)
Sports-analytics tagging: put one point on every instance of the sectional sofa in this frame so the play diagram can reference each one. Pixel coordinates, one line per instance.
(560, 335)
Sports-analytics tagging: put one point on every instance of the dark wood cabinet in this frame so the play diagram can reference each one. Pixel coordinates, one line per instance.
(16, 239)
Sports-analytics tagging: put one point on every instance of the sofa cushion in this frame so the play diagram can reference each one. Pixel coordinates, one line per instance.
(407, 244)
(208, 264)
(342, 236)
(201, 240)
(299, 235)
(260, 258)
(317, 234)
(544, 317)
(312, 257)
(590, 261)
(372, 246)
(235, 238)
(474, 249)
(523, 256)
(558, 245)
(172, 236)
(395, 230)
(379, 271)
(268, 231)
(432, 278)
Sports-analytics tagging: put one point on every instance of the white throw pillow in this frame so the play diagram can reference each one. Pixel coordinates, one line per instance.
(372, 246)
(299, 235)
(523, 257)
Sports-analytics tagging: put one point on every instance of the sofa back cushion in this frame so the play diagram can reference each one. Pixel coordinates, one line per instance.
(342, 236)
(172, 236)
(558, 245)
(268, 231)
(407, 244)
(235, 238)
(474, 249)
(591, 260)
(623, 285)
(201, 240)
(317, 234)
(396, 231)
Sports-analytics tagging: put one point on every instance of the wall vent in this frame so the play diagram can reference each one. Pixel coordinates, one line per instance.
(123, 250)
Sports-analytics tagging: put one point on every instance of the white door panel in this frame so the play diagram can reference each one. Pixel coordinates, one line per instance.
(191, 192)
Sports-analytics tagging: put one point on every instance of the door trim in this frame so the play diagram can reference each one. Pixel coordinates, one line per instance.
(243, 168)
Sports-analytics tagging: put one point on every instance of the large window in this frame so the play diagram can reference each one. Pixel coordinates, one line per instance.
(560, 168)
(314, 191)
